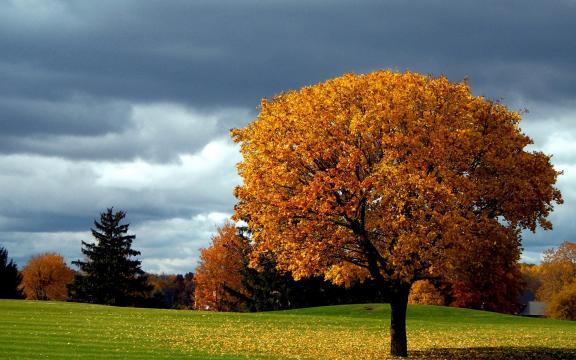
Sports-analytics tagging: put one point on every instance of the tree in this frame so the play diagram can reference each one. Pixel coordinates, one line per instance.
(389, 176)
(45, 277)
(110, 274)
(531, 278)
(9, 277)
(563, 304)
(557, 270)
(557, 278)
(219, 272)
(424, 292)
(492, 283)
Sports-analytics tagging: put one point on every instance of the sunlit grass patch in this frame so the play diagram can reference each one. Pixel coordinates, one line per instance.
(67, 330)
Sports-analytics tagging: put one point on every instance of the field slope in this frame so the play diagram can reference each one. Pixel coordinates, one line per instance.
(31, 329)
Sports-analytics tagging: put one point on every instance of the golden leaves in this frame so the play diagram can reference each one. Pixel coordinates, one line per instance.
(415, 164)
(45, 277)
(219, 267)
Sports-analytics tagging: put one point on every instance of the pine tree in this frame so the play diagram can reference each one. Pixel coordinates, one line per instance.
(9, 277)
(110, 274)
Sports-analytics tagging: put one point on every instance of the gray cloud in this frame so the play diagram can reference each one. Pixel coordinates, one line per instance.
(50, 188)
(155, 132)
(78, 116)
(128, 102)
(235, 52)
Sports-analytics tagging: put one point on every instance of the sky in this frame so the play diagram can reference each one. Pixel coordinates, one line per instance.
(128, 103)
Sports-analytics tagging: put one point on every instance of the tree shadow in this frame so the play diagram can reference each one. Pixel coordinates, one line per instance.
(496, 353)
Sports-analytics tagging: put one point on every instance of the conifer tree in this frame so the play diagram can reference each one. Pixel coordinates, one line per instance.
(110, 274)
(9, 277)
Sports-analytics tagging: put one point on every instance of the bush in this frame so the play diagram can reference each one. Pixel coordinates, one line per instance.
(423, 292)
(45, 277)
(562, 305)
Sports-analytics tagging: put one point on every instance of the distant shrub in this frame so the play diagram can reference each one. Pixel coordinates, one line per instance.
(45, 277)
(562, 305)
(423, 292)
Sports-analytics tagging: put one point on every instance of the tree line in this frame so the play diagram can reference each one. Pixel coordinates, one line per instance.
(110, 274)
(229, 278)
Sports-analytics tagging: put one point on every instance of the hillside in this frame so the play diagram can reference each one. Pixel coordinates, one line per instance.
(30, 329)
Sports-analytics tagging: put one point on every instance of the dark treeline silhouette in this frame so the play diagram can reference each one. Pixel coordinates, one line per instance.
(10, 278)
(270, 289)
(228, 279)
(171, 291)
(110, 274)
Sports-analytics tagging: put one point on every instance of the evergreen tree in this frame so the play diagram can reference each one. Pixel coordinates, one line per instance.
(9, 277)
(110, 274)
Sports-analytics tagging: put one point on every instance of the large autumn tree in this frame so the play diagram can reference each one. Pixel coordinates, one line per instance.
(393, 176)
(45, 277)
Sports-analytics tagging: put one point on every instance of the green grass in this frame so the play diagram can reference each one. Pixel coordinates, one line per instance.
(32, 329)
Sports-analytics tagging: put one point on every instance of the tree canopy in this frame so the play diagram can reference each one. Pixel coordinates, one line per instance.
(110, 274)
(392, 176)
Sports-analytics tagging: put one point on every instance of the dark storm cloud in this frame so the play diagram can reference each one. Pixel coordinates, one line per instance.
(157, 133)
(235, 52)
(74, 117)
(127, 103)
(70, 69)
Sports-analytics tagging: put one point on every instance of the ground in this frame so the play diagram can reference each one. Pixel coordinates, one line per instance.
(34, 329)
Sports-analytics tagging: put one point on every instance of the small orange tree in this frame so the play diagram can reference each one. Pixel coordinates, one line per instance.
(220, 270)
(558, 281)
(424, 292)
(563, 304)
(45, 277)
(390, 176)
(557, 270)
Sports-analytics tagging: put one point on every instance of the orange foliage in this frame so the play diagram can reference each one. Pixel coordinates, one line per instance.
(563, 304)
(558, 269)
(404, 176)
(45, 277)
(424, 292)
(531, 277)
(398, 174)
(558, 278)
(220, 266)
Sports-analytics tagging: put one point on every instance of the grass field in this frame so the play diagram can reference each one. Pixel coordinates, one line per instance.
(30, 329)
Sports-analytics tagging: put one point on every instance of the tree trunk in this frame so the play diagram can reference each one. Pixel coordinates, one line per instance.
(398, 305)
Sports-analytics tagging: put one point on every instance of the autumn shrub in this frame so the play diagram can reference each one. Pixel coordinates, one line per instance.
(563, 304)
(424, 292)
(558, 269)
(45, 277)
